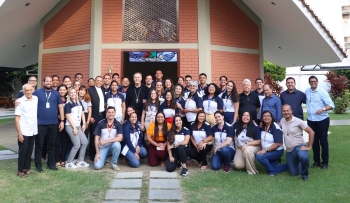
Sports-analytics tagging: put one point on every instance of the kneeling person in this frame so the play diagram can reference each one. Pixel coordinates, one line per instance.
(108, 135)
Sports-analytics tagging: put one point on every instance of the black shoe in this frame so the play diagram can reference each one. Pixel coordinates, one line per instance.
(54, 168)
(316, 165)
(184, 172)
(39, 169)
(324, 166)
(305, 178)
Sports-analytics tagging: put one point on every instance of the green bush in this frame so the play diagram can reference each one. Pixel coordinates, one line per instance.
(341, 103)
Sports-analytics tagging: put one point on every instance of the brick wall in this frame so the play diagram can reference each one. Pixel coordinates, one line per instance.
(112, 13)
(188, 62)
(67, 63)
(235, 66)
(111, 57)
(229, 26)
(188, 21)
(70, 26)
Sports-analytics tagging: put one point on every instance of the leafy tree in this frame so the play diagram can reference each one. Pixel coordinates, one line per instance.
(278, 73)
(276, 88)
(338, 91)
(345, 73)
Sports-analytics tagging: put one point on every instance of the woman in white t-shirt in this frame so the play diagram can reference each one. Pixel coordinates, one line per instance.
(116, 99)
(150, 109)
(85, 100)
(193, 104)
(212, 102)
(158, 86)
(230, 99)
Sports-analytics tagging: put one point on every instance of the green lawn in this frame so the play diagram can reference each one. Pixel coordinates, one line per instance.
(333, 116)
(6, 120)
(330, 185)
(52, 186)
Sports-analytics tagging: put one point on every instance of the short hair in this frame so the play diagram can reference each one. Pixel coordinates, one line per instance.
(148, 76)
(270, 86)
(115, 74)
(106, 75)
(113, 81)
(219, 112)
(64, 77)
(290, 78)
(157, 71)
(47, 77)
(246, 81)
(313, 77)
(137, 73)
(188, 76)
(110, 107)
(78, 74)
(91, 79)
(203, 75)
(26, 85)
(98, 77)
(193, 82)
(259, 79)
(54, 76)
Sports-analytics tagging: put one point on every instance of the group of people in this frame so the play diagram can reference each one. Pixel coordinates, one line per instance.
(168, 122)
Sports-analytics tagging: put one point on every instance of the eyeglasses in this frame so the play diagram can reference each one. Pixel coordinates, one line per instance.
(267, 116)
(32, 80)
(313, 81)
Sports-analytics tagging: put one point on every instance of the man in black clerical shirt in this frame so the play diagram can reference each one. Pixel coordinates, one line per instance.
(249, 100)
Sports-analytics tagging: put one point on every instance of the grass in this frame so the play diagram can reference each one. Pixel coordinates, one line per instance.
(6, 120)
(3, 148)
(333, 116)
(52, 186)
(330, 185)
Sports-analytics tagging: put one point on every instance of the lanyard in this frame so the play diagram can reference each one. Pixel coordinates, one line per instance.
(221, 133)
(109, 128)
(209, 100)
(226, 101)
(47, 97)
(115, 97)
(136, 134)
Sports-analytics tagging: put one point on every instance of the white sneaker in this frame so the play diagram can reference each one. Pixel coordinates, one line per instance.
(82, 164)
(75, 161)
(115, 167)
(70, 165)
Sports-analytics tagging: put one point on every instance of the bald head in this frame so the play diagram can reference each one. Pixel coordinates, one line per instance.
(28, 90)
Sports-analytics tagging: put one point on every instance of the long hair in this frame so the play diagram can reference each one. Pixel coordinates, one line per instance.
(217, 89)
(161, 90)
(173, 104)
(63, 85)
(172, 132)
(87, 97)
(149, 100)
(76, 98)
(196, 122)
(182, 91)
(156, 128)
(172, 84)
(250, 125)
(234, 94)
(272, 118)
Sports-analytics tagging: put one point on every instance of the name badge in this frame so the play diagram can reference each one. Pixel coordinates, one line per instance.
(47, 105)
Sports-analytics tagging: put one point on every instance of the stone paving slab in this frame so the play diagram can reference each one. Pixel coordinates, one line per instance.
(162, 174)
(164, 184)
(9, 156)
(127, 183)
(164, 194)
(163, 202)
(123, 194)
(120, 202)
(6, 152)
(129, 175)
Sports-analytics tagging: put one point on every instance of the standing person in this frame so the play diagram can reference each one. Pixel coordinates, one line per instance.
(116, 100)
(124, 88)
(159, 77)
(223, 82)
(193, 104)
(260, 92)
(137, 95)
(156, 136)
(201, 139)
(271, 144)
(168, 85)
(75, 114)
(76, 85)
(85, 100)
(55, 81)
(160, 91)
(248, 143)
(150, 109)
(249, 100)
(224, 149)
(230, 99)
(318, 102)
(181, 81)
(67, 81)
(133, 150)
(212, 102)
(79, 77)
(62, 139)
(91, 82)
(33, 82)
(178, 148)
(272, 103)
(98, 112)
(180, 100)
(187, 86)
(49, 104)
(202, 86)
(148, 81)
(297, 151)
(108, 135)
(169, 107)
(116, 77)
(294, 98)
(106, 82)
(27, 128)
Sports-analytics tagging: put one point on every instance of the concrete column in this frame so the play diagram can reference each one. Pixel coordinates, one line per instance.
(96, 38)
(204, 53)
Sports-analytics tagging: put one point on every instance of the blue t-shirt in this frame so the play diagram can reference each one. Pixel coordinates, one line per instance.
(200, 134)
(132, 137)
(47, 113)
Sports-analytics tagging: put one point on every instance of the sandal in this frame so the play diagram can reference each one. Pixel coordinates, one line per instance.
(58, 164)
(28, 172)
(21, 175)
(204, 167)
(163, 163)
(63, 164)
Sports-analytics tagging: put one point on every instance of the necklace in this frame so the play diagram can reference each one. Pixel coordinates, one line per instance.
(109, 128)
(137, 95)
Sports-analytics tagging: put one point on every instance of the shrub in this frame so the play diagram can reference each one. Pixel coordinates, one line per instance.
(276, 88)
(338, 91)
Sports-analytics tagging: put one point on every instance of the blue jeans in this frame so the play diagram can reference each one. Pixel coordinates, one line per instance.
(298, 162)
(269, 161)
(229, 117)
(224, 156)
(113, 149)
(131, 158)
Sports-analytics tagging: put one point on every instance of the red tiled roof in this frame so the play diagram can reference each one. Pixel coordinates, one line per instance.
(325, 28)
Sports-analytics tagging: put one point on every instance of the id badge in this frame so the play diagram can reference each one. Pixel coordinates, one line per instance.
(47, 105)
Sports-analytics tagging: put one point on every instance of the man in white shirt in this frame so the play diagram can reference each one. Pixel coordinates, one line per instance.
(26, 123)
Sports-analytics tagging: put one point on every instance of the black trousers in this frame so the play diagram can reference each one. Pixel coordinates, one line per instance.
(25, 150)
(48, 132)
(321, 138)
(61, 146)
(201, 156)
(180, 154)
(92, 150)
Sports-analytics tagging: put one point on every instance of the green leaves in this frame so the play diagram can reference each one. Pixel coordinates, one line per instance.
(278, 73)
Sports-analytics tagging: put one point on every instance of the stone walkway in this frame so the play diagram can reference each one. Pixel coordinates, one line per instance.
(7, 154)
(144, 186)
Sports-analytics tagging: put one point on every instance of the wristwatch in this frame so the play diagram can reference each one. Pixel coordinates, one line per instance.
(324, 109)
(266, 150)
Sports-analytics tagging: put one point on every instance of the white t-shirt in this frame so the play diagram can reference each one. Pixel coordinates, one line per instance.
(27, 110)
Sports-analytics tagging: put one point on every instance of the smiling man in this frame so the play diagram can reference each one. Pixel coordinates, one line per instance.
(294, 98)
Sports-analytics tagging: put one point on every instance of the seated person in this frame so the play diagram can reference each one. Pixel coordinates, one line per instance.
(108, 135)
(178, 148)
(248, 143)
(156, 136)
(133, 137)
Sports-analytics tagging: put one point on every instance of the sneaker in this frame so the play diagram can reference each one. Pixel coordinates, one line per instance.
(70, 165)
(115, 167)
(227, 168)
(82, 164)
(179, 165)
(75, 161)
(184, 172)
